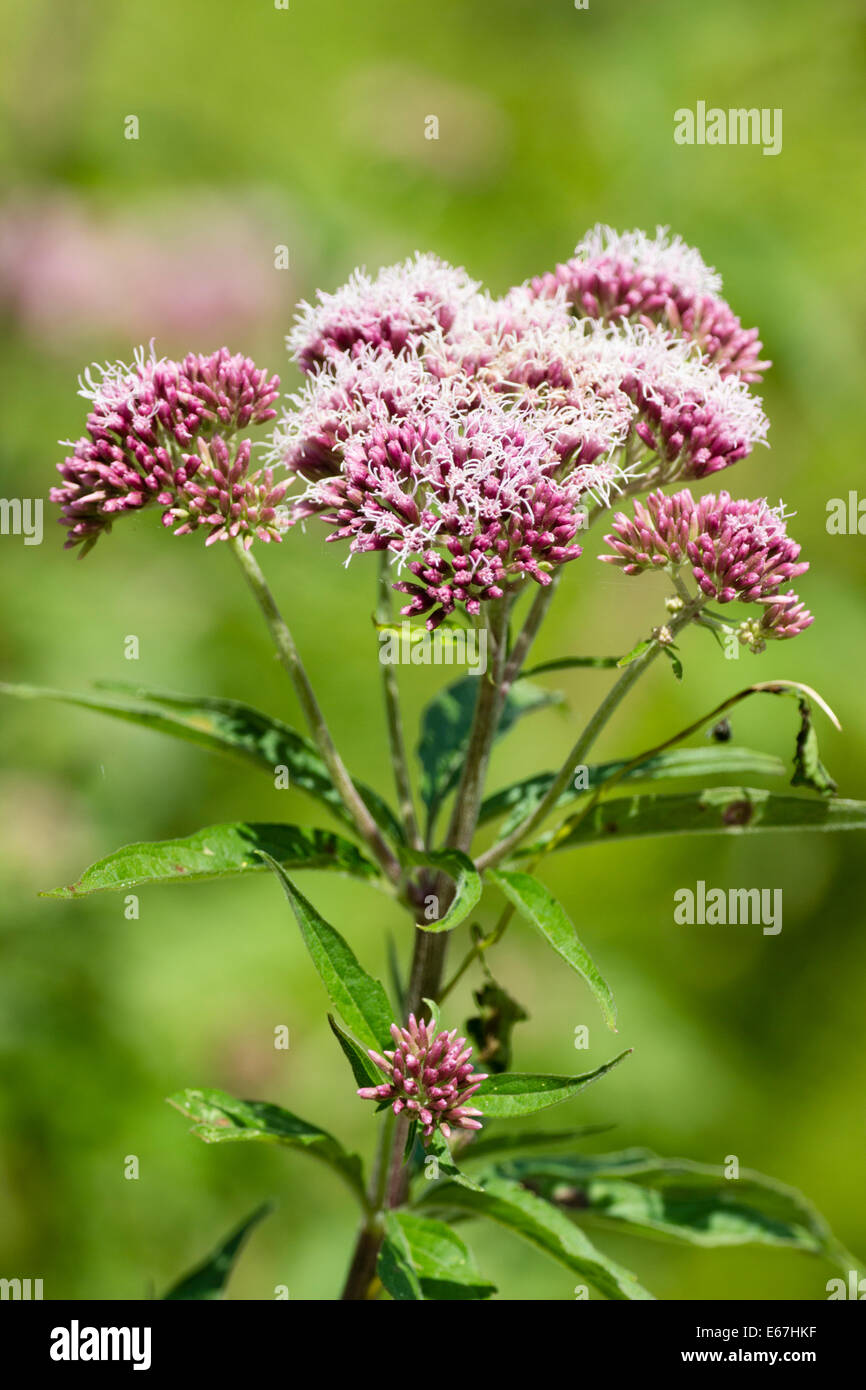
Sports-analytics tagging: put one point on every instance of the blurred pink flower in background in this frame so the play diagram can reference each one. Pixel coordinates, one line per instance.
(176, 267)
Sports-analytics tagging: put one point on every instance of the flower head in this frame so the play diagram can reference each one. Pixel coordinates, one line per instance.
(471, 501)
(737, 549)
(466, 435)
(695, 420)
(661, 280)
(429, 1076)
(397, 308)
(144, 436)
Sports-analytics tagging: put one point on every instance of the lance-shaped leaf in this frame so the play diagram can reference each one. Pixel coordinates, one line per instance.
(208, 1280)
(673, 1198)
(445, 726)
(363, 1068)
(219, 851)
(522, 797)
(507, 1142)
(565, 663)
(541, 1223)
(446, 1167)
(510, 1094)
(464, 875)
(360, 998)
(423, 1258)
(222, 726)
(537, 905)
(220, 1119)
(726, 810)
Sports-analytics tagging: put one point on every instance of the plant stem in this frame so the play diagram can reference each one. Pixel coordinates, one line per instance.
(587, 738)
(291, 661)
(477, 949)
(394, 720)
(534, 618)
(482, 733)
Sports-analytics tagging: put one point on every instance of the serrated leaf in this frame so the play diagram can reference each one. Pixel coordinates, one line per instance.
(510, 1094)
(219, 851)
(208, 1280)
(464, 875)
(222, 726)
(539, 1222)
(537, 905)
(360, 998)
(522, 797)
(677, 1199)
(726, 810)
(220, 1118)
(443, 1264)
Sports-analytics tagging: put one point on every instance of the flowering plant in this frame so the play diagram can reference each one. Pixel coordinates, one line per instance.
(473, 442)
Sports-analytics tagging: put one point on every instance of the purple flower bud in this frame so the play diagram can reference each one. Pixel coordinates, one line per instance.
(737, 550)
(441, 1079)
(143, 422)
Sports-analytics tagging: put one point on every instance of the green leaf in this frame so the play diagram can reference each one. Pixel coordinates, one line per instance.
(461, 870)
(220, 1118)
(364, 1069)
(360, 998)
(439, 1149)
(513, 1093)
(678, 1199)
(809, 771)
(564, 663)
(544, 1226)
(208, 1280)
(443, 1265)
(522, 797)
(507, 1142)
(223, 726)
(395, 1267)
(635, 652)
(727, 810)
(538, 906)
(445, 725)
(219, 851)
(676, 663)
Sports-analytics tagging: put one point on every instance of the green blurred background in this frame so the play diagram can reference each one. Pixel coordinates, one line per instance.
(305, 127)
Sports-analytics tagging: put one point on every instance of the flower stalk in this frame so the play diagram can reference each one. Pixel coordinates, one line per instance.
(291, 661)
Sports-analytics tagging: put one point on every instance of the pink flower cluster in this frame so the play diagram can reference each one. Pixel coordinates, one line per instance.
(429, 1076)
(656, 280)
(162, 432)
(737, 550)
(469, 436)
